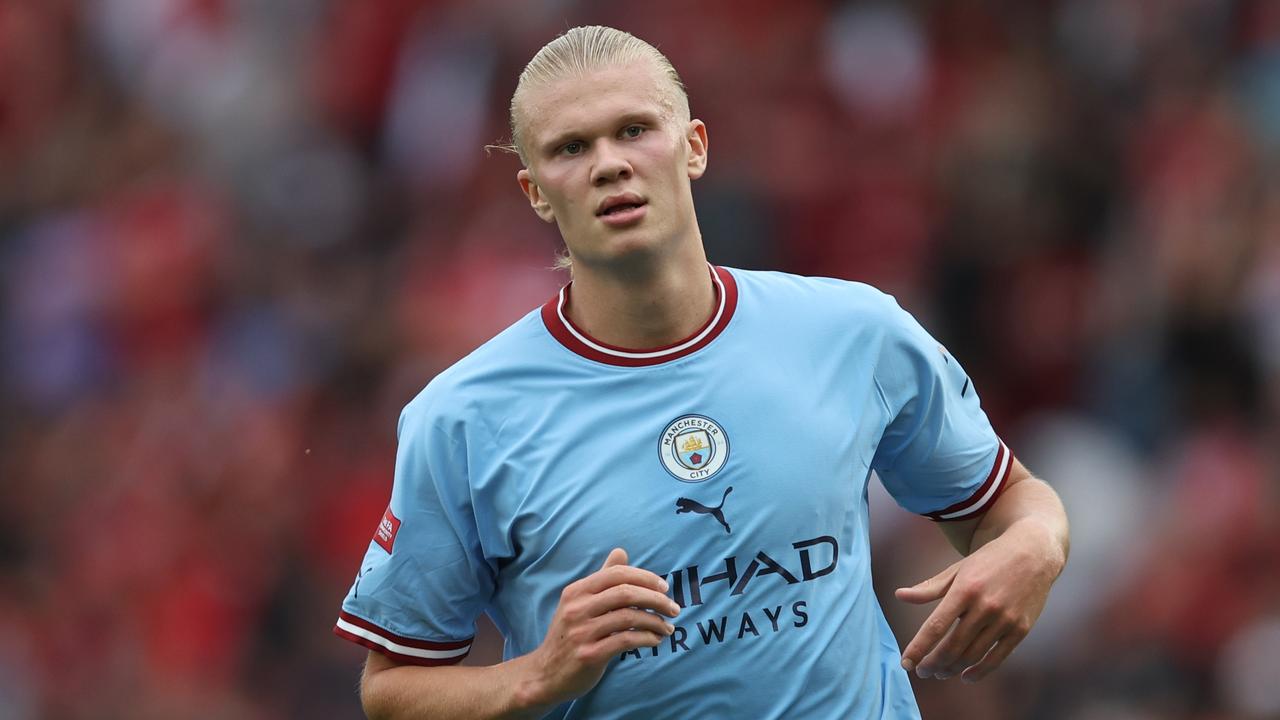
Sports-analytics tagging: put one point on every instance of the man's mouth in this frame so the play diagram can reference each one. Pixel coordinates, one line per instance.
(619, 204)
(621, 208)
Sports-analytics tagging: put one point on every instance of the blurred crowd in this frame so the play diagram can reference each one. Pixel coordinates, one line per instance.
(236, 237)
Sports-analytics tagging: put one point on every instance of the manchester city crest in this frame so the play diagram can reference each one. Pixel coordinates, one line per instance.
(693, 448)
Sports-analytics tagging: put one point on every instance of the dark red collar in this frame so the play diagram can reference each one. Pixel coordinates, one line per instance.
(574, 338)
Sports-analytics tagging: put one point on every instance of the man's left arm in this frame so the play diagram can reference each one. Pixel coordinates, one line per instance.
(990, 598)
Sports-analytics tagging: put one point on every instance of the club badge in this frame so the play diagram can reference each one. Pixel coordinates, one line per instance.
(693, 448)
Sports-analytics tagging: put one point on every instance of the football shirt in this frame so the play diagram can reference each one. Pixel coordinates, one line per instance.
(734, 464)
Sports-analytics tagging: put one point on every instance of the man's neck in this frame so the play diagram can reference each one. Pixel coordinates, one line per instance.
(642, 307)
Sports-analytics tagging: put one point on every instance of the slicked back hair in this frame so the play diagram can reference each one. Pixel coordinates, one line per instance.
(581, 50)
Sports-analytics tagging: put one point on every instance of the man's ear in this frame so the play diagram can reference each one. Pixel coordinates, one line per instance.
(696, 137)
(536, 198)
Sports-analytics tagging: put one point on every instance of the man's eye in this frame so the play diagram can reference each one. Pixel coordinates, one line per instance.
(633, 131)
(572, 148)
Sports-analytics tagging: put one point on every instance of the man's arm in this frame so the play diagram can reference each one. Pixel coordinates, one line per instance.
(991, 597)
(613, 610)
(389, 690)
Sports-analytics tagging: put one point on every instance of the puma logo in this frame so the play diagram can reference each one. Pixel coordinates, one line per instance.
(360, 576)
(685, 505)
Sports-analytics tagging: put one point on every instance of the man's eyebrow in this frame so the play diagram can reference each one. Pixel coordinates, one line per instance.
(638, 116)
(556, 141)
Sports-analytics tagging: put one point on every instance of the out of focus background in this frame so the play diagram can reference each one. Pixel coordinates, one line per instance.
(236, 237)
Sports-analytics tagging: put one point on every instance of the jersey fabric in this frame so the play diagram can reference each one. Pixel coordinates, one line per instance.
(734, 464)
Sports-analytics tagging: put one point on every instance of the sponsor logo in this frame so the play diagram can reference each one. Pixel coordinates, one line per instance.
(697, 587)
(387, 529)
(685, 505)
(716, 630)
(693, 448)
(812, 559)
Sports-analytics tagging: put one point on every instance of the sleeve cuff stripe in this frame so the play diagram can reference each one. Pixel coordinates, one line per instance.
(985, 495)
(409, 646)
(398, 657)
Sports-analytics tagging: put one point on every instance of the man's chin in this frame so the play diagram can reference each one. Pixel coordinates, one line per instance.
(623, 249)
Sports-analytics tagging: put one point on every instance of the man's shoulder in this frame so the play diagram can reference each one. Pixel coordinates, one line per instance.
(522, 350)
(813, 294)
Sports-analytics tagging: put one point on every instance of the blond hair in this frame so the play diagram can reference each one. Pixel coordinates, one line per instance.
(581, 50)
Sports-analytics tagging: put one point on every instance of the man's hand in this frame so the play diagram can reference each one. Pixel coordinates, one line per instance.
(990, 600)
(599, 617)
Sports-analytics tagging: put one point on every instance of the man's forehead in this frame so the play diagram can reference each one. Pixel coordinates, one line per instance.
(594, 96)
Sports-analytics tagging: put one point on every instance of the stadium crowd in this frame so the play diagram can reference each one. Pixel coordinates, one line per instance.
(236, 237)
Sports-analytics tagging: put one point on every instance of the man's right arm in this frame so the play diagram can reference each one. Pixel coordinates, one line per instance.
(613, 610)
(389, 690)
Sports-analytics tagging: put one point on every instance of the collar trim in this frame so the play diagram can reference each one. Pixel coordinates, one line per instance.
(577, 340)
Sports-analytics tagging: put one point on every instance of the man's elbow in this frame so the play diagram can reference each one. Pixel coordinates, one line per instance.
(373, 691)
(374, 707)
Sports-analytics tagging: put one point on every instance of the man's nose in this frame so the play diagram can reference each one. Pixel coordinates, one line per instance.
(611, 164)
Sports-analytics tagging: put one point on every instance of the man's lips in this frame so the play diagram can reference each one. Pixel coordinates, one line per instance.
(622, 208)
(615, 204)
(624, 215)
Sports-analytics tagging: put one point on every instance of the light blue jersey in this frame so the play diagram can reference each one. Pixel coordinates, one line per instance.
(734, 464)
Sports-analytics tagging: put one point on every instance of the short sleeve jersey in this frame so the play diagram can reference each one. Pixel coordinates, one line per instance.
(734, 464)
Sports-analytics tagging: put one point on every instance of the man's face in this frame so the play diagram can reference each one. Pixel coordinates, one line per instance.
(610, 163)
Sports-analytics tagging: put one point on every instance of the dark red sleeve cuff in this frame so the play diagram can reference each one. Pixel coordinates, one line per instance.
(985, 496)
(397, 647)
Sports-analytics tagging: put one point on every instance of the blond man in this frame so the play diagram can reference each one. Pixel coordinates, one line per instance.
(655, 484)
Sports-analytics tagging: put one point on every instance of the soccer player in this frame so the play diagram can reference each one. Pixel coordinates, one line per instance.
(656, 484)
